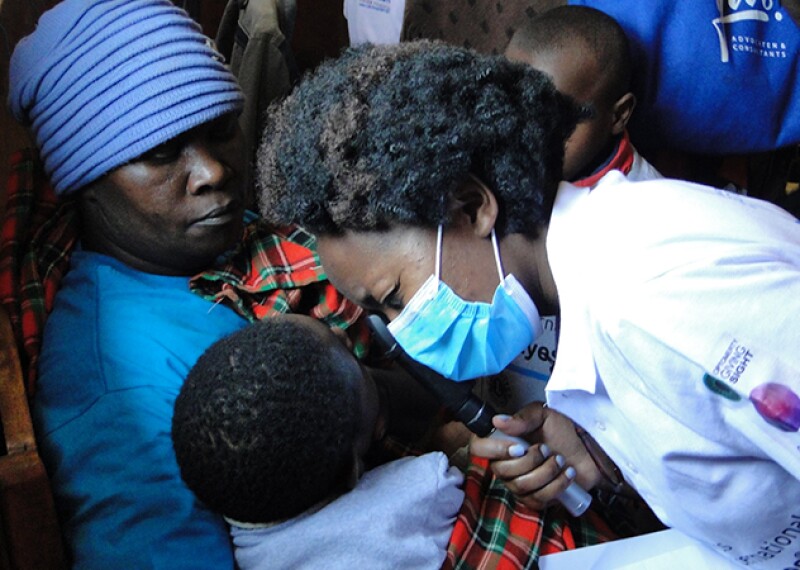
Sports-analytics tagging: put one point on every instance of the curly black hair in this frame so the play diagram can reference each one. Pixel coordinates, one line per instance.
(265, 423)
(384, 134)
(602, 36)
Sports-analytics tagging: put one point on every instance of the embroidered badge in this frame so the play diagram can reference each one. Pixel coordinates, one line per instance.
(776, 403)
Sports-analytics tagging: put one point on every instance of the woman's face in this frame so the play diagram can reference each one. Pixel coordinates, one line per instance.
(381, 271)
(174, 209)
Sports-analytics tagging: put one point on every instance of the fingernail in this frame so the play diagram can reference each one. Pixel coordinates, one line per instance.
(570, 473)
(560, 460)
(517, 450)
(503, 417)
(544, 450)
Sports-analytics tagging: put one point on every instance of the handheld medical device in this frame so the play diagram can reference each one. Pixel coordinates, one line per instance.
(460, 400)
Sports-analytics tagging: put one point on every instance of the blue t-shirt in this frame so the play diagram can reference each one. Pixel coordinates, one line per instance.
(117, 348)
(709, 79)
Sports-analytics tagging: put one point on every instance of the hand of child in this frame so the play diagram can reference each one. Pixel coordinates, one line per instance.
(540, 473)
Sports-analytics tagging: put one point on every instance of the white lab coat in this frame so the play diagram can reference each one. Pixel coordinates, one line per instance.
(677, 303)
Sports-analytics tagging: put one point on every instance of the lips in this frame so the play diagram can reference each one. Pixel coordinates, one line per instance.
(220, 215)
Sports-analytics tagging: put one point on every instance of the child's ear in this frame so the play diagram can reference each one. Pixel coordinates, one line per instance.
(356, 471)
(623, 109)
(381, 424)
(474, 204)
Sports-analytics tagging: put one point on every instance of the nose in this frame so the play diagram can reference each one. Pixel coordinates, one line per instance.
(206, 170)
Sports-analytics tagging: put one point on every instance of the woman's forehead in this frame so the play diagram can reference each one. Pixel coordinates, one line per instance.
(361, 263)
(353, 262)
(364, 251)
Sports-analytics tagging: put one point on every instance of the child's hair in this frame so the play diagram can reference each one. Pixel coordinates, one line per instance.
(264, 424)
(561, 27)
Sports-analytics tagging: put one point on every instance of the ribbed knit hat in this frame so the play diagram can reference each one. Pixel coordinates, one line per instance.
(102, 81)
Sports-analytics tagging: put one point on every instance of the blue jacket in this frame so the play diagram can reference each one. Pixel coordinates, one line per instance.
(711, 80)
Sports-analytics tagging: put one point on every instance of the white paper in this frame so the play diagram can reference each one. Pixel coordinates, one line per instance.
(664, 550)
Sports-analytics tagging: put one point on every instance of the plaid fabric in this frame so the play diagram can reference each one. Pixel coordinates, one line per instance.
(277, 270)
(493, 531)
(38, 234)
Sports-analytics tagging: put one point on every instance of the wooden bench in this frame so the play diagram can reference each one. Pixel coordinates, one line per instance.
(30, 537)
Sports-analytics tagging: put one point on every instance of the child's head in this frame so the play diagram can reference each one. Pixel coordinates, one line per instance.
(587, 55)
(274, 419)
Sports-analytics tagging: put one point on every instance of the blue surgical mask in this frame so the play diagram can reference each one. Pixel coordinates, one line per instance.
(460, 339)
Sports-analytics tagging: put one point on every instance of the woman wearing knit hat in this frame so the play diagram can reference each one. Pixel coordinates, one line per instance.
(135, 119)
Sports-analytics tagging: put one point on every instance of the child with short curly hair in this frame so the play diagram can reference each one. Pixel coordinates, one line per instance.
(271, 429)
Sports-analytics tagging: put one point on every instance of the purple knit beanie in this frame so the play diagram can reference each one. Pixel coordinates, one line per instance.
(102, 81)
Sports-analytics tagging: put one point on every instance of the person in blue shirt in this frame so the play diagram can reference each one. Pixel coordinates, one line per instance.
(135, 118)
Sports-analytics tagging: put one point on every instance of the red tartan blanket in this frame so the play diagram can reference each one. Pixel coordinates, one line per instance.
(494, 531)
(38, 235)
(277, 270)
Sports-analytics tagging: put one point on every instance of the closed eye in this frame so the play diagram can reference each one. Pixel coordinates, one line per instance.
(224, 128)
(163, 153)
(393, 299)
